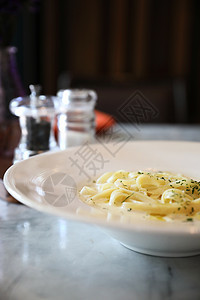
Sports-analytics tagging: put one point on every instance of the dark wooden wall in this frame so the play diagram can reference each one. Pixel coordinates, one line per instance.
(119, 37)
(121, 40)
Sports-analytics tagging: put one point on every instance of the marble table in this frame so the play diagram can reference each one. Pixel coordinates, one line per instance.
(45, 257)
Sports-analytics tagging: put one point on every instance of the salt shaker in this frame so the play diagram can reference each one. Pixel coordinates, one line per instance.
(36, 116)
(76, 119)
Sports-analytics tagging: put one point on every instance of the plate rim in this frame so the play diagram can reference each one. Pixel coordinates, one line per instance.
(185, 228)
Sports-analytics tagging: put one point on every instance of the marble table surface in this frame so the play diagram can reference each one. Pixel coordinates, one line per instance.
(45, 257)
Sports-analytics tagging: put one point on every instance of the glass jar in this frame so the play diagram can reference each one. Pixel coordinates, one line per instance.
(36, 116)
(76, 120)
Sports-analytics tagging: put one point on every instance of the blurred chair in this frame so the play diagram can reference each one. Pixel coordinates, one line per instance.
(166, 98)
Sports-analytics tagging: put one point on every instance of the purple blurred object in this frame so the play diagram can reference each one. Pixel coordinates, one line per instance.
(10, 82)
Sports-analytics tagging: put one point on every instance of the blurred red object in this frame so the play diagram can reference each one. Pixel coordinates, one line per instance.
(103, 121)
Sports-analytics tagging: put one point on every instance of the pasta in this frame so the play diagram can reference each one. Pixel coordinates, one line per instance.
(157, 194)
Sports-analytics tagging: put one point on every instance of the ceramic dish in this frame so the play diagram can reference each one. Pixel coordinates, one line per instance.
(50, 183)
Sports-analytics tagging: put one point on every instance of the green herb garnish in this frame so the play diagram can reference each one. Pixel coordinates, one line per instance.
(128, 197)
(189, 219)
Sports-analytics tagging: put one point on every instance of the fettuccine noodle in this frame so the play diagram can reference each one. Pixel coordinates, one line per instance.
(155, 193)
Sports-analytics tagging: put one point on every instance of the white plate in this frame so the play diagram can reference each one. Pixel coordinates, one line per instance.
(49, 183)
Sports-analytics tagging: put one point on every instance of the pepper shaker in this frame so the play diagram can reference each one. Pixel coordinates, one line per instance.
(76, 118)
(36, 117)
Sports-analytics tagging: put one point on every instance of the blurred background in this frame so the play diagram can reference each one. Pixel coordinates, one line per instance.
(116, 47)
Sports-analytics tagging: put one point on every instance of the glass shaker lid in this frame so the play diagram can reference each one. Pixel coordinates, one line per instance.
(44, 105)
(78, 96)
